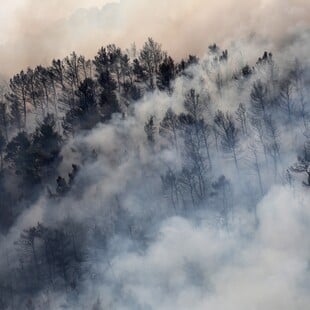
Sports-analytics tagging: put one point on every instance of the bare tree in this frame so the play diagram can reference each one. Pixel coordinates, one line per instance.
(171, 189)
(18, 85)
(229, 134)
(297, 75)
(168, 128)
(254, 163)
(273, 146)
(303, 164)
(242, 118)
(286, 89)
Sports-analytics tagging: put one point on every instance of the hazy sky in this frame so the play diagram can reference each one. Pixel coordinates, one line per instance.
(15, 13)
(35, 31)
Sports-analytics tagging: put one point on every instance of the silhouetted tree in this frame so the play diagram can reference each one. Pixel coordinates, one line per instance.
(115, 58)
(34, 92)
(273, 147)
(101, 61)
(150, 131)
(18, 86)
(107, 98)
(72, 72)
(303, 163)
(168, 127)
(229, 134)
(286, 89)
(171, 188)
(84, 115)
(297, 75)
(4, 119)
(242, 118)
(15, 113)
(46, 145)
(21, 158)
(29, 252)
(138, 71)
(254, 163)
(58, 70)
(166, 74)
(259, 102)
(2, 148)
(194, 105)
(150, 58)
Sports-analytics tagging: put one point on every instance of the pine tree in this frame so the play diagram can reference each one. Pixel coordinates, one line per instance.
(107, 97)
(84, 115)
(166, 74)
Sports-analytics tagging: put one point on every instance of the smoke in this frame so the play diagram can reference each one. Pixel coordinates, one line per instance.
(193, 266)
(35, 31)
(43, 30)
(187, 260)
(164, 258)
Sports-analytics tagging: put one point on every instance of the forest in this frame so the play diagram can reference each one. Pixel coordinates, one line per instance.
(117, 171)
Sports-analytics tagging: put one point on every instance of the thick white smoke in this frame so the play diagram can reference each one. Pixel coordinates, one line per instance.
(260, 262)
(193, 266)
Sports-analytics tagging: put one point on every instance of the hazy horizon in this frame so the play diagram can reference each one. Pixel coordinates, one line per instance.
(34, 32)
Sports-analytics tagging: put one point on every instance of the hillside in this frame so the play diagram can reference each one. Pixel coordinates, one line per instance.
(134, 181)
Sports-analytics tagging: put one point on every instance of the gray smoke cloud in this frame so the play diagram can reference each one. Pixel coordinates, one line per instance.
(193, 266)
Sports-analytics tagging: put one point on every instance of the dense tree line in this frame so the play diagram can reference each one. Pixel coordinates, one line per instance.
(45, 107)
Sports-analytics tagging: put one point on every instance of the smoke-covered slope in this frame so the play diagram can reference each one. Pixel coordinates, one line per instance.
(133, 182)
